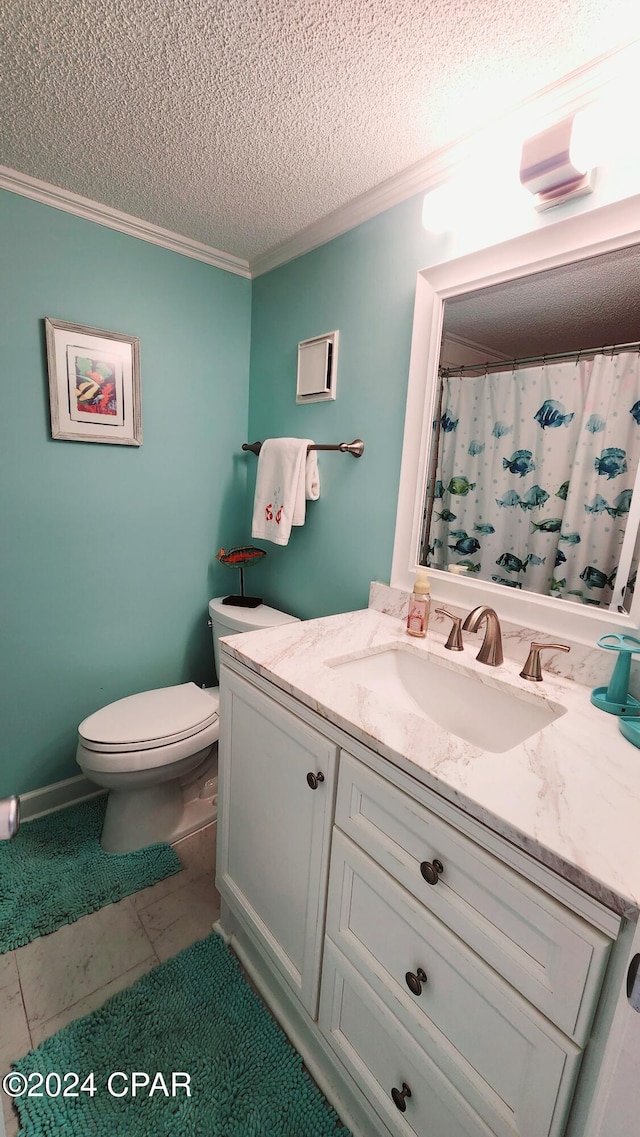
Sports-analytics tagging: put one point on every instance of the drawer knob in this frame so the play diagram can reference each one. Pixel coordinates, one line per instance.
(399, 1096)
(431, 871)
(415, 981)
(313, 779)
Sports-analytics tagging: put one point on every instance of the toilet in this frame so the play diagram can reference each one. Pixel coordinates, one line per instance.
(155, 751)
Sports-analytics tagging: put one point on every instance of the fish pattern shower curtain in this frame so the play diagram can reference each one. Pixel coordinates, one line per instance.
(535, 472)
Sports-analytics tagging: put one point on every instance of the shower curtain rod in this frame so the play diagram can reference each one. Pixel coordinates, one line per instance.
(511, 364)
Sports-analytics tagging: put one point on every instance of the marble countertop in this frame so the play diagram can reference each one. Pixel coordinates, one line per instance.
(569, 795)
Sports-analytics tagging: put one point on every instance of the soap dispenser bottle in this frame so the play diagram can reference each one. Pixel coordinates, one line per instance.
(418, 614)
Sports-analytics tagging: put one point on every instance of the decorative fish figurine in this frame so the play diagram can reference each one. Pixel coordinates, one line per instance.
(534, 559)
(509, 583)
(511, 563)
(598, 505)
(500, 429)
(549, 525)
(570, 538)
(557, 585)
(509, 499)
(458, 533)
(635, 411)
(438, 490)
(595, 424)
(485, 528)
(521, 462)
(448, 424)
(240, 556)
(560, 558)
(470, 567)
(446, 515)
(534, 498)
(563, 491)
(475, 448)
(466, 545)
(460, 486)
(552, 413)
(621, 504)
(612, 462)
(594, 577)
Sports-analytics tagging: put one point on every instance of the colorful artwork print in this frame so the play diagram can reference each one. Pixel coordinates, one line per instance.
(93, 383)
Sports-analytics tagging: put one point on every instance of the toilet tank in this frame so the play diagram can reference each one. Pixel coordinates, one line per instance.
(229, 620)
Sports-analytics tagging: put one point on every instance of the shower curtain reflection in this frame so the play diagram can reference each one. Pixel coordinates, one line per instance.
(534, 475)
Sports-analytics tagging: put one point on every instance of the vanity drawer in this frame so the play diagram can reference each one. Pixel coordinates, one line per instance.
(381, 1056)
(552, 956)
(513, 1066)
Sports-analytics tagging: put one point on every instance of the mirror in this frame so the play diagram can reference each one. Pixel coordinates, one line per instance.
(536, 433)
(609, 236)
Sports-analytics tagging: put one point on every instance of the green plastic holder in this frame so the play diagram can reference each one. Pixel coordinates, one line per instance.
(615, 699)
(630, 728)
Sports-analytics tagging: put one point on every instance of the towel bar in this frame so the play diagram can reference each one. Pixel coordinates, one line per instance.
(356, 447)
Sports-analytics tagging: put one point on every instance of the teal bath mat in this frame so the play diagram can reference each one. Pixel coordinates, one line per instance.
(194, 1015)
(55, 871)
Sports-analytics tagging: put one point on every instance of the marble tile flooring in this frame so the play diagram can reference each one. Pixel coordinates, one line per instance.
(58, 978)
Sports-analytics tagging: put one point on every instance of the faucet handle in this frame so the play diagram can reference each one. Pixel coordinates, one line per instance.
(532, 669)
(454, 643)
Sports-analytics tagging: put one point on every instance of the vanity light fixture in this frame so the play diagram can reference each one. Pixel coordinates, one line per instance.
(552, 166)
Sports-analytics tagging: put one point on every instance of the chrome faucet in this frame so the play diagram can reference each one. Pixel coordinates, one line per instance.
(491, 650)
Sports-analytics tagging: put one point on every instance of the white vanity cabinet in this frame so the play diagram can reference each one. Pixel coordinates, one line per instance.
(276, 787)
(454, 979)
(466, 958)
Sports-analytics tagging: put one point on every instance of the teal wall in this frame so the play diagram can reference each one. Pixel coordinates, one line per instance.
(363, 284)
(107, 554)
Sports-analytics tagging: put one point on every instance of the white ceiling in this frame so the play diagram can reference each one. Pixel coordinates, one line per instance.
(239, 124)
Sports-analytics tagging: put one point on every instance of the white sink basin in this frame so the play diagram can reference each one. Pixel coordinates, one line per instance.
(495, 718)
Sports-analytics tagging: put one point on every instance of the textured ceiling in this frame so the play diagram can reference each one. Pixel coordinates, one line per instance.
(592, 303)
(239, 124)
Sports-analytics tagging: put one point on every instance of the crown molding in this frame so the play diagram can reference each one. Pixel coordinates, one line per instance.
(26, 186)
(425, 174)
(563, 97)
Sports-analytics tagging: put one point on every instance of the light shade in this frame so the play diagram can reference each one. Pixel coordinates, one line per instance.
(550, 167)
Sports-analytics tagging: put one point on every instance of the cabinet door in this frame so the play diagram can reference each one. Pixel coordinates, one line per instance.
(274, 829)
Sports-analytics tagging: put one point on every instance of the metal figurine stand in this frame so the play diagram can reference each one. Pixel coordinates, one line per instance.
(243, 601)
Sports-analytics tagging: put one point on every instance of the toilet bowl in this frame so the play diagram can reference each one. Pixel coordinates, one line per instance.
(149, 749)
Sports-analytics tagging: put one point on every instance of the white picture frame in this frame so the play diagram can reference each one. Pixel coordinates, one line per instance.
(94, 384)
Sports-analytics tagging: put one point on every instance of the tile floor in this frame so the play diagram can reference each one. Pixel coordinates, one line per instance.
(58, 978)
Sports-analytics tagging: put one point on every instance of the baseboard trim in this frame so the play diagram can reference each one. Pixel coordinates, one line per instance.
(56, 796)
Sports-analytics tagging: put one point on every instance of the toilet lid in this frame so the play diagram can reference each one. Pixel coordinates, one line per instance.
(151, 718)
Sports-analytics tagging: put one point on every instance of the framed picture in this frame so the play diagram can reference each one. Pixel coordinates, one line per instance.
(94, 384)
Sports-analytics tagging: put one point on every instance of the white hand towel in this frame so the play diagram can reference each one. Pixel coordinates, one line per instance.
(312, 477)
(286, 475)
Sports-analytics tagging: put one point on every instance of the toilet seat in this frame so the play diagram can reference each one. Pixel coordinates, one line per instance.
(151, 720)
